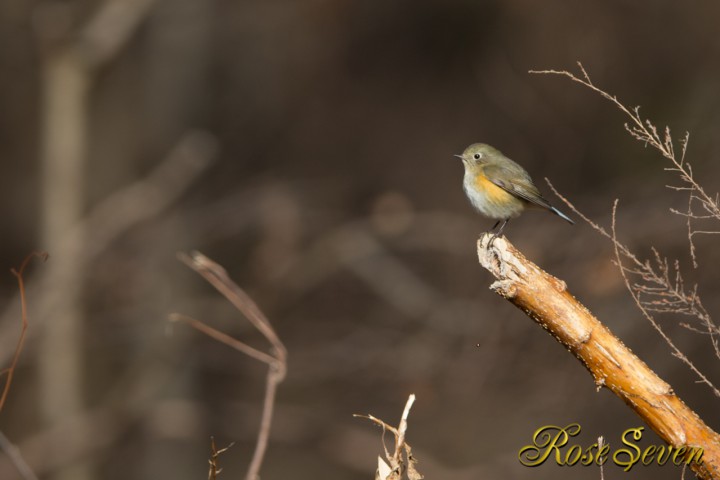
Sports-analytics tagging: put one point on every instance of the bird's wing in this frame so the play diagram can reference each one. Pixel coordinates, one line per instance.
(516, 184)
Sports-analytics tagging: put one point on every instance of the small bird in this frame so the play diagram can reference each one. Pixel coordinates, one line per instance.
(498, 187)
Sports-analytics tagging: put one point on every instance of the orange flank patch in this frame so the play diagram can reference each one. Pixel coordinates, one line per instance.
(493, 193)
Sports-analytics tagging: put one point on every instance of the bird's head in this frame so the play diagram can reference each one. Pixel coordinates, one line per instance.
(478, 154)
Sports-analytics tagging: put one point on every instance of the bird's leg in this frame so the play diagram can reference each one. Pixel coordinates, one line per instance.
(502, 227)
(495, 226)
(499, 232)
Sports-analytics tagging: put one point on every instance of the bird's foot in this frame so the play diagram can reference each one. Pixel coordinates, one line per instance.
(498, 233)
(492, 239)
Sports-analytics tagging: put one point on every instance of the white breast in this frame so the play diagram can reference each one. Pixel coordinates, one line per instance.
(485, 204)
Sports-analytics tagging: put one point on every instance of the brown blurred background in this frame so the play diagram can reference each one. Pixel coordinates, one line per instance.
(307, 147)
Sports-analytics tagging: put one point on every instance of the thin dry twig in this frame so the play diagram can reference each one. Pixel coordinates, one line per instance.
(645, 131)
(276, 360)
(636, 297)
(402, 428)
(395, 465)
(10, 371)
(657, 285)
(601, 443)
(218, 278)
(5, 444)
(223, 338)
(645, 271)
(215, 469)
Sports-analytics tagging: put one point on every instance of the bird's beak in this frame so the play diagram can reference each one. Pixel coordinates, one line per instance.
(458, 156)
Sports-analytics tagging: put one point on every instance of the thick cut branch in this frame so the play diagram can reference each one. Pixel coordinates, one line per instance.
(545, 299)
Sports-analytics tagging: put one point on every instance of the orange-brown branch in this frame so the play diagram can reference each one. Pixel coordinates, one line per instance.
(546, 300)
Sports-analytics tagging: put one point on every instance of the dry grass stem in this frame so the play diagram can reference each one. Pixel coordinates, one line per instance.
(395, 466)
(215, 469)
(276, 360)
(546, 300)
(601, 443)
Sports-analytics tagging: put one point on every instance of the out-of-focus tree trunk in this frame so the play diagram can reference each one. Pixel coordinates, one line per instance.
(70, 60)
(64, 138)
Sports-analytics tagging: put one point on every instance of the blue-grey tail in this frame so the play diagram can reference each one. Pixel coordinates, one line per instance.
(562, 215)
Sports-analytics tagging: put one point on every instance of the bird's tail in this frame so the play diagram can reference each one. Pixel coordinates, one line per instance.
(561, 215)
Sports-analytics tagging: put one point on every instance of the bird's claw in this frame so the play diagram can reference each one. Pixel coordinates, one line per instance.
(492, 239)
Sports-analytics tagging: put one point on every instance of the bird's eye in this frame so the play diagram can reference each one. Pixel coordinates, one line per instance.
(477, 156)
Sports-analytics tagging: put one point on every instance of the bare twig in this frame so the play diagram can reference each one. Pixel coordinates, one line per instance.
(402, 428)
(636, 297)
(16, 458)
(10, 371)
(215, 469)
(224, 338)
(395, 465)
(277, 360)
(646, 272)
(601, 443)
(218, 278)
(645, 131)
(660, 287)
(546, 300)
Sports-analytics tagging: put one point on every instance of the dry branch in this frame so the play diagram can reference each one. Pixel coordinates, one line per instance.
(276, 360)
(396, 467)
(215, 469)
(654, 285)
(653, 280)
(12, 452)
(10, 371)
(546, 300)
(645, 131)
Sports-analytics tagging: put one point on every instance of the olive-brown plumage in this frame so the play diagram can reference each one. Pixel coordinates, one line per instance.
(498, 187)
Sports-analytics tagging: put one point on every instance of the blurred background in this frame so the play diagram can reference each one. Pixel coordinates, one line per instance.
(306, 145)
